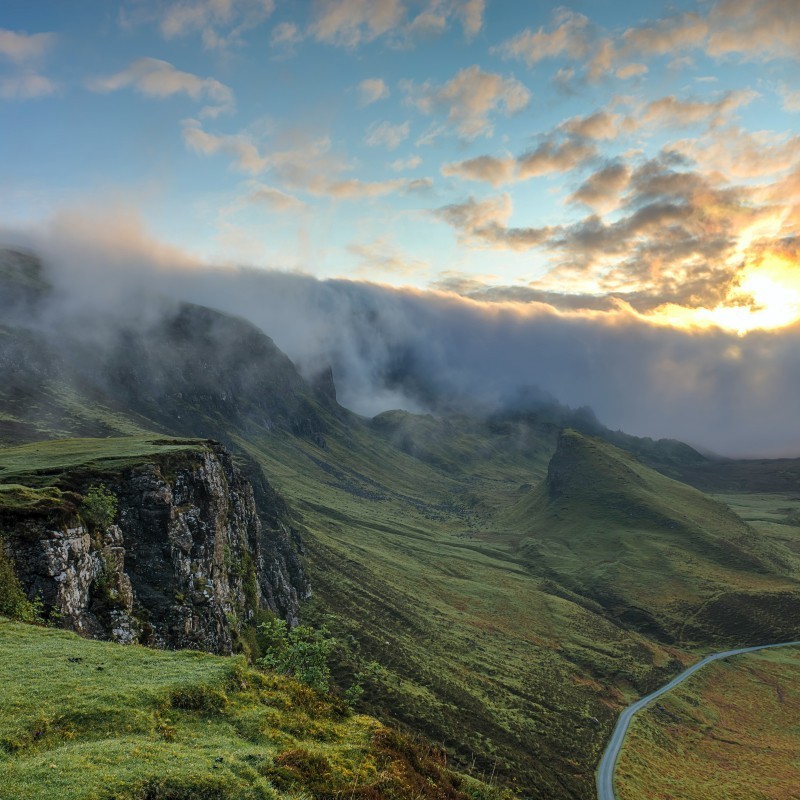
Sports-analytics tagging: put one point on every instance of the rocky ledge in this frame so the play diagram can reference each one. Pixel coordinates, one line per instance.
(188, 561)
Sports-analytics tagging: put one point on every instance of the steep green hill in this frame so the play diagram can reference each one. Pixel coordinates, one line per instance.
(652, 551)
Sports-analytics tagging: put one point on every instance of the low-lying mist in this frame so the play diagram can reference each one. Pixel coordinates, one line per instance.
(425, 351)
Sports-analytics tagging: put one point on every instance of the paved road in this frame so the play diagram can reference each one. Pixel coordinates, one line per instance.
(605, 772)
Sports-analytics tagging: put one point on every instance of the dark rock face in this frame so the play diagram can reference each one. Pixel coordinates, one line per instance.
(190, 560)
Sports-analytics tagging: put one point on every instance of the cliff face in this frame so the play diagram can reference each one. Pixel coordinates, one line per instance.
(190, 558)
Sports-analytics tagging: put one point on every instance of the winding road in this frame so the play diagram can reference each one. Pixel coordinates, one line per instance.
(605, 772)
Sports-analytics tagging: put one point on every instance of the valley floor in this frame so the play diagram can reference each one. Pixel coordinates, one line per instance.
(730, 732)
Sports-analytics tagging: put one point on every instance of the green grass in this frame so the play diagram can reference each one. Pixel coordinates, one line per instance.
(38, 464)
(730, 732)
(84, 720)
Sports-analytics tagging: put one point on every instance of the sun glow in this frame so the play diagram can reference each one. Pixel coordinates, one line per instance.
(766, 297)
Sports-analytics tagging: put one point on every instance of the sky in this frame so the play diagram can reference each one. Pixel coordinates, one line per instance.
(630, 171)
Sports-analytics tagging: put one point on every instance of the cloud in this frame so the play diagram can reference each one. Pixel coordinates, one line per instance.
(381, 258)
(737, 153)
(307, 165)
(25, 49)
(702, 386)
(631, 71)
(27, 53)
(674, 34)
(570, 37)
(469, 100)
(352, 23)
(791, 99)
(550, 157)
(484, 223)
(348, 23)
(371, 90)
(402, 164)
(355, 189)
(708, 387)
(285, 34)
(471, 13)
(488, 169)
(671, 111)
(274, 199)
(763, 31)
(600, 125)
(384, 134)
(677, 238)
(25, 87)
(601, 191)
(241, 148)
(220, 23)
(160, 79)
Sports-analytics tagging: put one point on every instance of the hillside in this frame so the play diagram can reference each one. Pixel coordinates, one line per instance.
(657, 554)
(97, 721)
(504, 589)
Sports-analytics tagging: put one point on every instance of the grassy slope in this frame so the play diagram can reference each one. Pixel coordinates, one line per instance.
(94, 721)
(650, 549)
(730, 732)
(511, 671)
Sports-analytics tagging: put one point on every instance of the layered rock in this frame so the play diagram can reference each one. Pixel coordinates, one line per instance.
(189, 561)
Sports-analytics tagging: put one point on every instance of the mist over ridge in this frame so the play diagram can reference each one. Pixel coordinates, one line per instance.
(428, 351)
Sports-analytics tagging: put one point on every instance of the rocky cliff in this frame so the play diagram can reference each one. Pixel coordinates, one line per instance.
(189, 559)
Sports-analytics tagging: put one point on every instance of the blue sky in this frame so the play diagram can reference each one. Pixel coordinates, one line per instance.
(588, 155)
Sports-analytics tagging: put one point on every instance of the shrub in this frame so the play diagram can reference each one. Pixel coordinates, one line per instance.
(13, 602)
(99, 507)
(301, 652)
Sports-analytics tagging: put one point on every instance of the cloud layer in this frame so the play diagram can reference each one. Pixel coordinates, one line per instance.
(709, 390)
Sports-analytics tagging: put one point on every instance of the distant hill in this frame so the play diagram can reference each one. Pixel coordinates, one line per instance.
(646, 547)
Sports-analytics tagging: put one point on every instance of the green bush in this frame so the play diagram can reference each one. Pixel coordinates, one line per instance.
(13, 602)
(99, 507)
(301, 652)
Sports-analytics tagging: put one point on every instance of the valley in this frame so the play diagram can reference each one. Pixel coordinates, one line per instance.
(504, 584)
(729, 732)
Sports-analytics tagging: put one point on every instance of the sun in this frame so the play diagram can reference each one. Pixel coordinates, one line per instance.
(766, 297)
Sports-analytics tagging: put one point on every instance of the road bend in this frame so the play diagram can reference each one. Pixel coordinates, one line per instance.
(605, 771)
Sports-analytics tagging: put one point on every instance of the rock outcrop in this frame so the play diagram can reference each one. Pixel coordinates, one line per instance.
(190, 558)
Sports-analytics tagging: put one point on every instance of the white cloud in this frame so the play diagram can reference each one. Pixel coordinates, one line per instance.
(469, 99)
(274, 199)
(371, 90)
(488, 169)
(791, 98)
(155, 78)
(285, 34)
(569, 37)
(220, 23)
(384, 134)
(402, 164)
(246, 155)
(348, 23)
(471, 13)
(26, 52)
(25, 87)
(25, 49)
